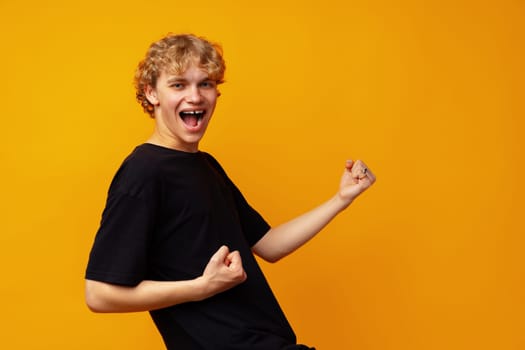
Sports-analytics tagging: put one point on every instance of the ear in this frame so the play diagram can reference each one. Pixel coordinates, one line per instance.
(151, 95)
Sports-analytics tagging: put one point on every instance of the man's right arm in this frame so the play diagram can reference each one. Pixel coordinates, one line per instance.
(223, 271)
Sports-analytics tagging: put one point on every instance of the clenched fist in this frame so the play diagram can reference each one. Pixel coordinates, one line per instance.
(224, 271)
(356, 178)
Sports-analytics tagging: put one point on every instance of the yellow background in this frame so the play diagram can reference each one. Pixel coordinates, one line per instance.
(428, 93)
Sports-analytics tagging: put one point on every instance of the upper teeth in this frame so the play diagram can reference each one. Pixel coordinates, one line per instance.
(193, 112)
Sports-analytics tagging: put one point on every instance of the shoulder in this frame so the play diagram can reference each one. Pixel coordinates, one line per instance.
(144, 161)
(139, 171)
(213, 162)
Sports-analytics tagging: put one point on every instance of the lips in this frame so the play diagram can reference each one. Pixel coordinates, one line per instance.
(192, 118)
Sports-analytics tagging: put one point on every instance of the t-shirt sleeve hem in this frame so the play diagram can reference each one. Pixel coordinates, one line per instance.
(129, 281)
(261, 230)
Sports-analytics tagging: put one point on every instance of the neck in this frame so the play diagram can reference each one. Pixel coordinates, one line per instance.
(158, 139)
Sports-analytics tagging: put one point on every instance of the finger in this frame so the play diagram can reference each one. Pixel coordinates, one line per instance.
(236, 265)
(363, 173)
(357, 169)
(235, 259)
(349, 163)
(371, 176)
(360, 170)
(221, 254)
(368, 175)
(366, 172)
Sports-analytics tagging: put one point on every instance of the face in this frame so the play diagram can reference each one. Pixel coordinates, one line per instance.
(183, 105)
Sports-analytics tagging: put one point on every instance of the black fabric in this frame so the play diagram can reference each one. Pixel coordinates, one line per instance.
(166, 214)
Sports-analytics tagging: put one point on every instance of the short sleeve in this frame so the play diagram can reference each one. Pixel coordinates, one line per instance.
(120, 251)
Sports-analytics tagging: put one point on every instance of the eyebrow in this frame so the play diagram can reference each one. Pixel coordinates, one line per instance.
(175, 79)
(183, 80)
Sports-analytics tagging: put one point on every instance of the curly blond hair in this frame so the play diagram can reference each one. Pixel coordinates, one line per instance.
(174, 54)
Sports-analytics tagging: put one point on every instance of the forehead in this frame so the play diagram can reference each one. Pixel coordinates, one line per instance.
(192, 71)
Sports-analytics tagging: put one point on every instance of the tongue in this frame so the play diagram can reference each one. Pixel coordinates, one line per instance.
(190, 120)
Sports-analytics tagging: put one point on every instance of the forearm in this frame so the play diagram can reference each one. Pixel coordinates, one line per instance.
(147, 295)
(282, 240)
(223, 271)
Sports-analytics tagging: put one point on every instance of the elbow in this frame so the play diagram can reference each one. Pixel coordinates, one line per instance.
(94, 297)
(270, 250)
(270, 256)
(94, 305)
(272, 259)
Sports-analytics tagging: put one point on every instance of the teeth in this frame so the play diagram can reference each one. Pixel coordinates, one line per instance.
(197, 114)
(193, 112)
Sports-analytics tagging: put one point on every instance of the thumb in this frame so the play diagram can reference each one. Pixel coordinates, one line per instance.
(234, 259)
(349, 164)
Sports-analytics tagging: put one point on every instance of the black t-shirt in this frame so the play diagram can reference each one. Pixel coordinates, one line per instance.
(166, 214)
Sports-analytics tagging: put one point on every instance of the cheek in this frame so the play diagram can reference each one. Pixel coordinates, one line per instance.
(212, 98)
(171, 101)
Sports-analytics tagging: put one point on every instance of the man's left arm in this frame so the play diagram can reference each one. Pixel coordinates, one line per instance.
(282, 240)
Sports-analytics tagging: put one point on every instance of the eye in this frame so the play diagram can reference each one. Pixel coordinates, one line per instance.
(208, 84)
(177, 85)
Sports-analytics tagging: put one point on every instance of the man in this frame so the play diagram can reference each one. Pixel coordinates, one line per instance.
(177, 237)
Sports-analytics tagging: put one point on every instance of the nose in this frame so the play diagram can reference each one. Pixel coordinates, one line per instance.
(194, 95)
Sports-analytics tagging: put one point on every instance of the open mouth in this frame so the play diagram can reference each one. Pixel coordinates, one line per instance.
(192, 118)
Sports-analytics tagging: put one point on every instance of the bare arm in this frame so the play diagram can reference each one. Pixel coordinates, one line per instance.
(282, 240)
(224, 271)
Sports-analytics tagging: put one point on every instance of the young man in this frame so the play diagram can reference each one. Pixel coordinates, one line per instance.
(177, 237)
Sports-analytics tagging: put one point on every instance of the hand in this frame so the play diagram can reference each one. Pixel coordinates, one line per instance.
(356, 178)
(224, 271)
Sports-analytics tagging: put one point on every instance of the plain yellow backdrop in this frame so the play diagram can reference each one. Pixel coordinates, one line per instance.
(430, 94)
